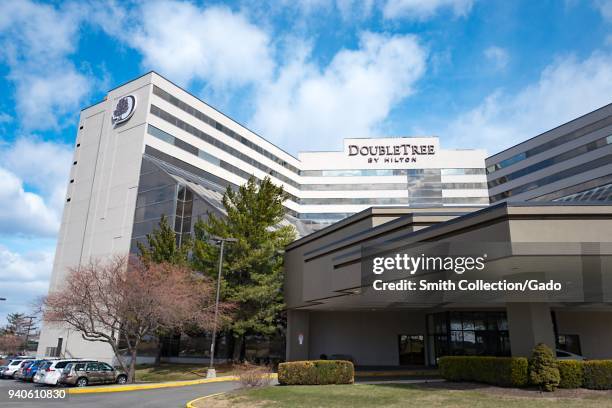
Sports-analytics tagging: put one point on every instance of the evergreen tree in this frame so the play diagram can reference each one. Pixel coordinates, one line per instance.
(253, 265)
(162, 246)
(543, 370)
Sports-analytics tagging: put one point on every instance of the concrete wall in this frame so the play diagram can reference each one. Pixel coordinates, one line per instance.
(97, 221)
(371, 338)
(594, 329)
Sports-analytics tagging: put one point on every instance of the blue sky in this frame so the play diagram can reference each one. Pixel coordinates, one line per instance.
(304, 74)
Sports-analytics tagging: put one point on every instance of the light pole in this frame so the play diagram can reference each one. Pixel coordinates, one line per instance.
(2, 298)
(211, 372)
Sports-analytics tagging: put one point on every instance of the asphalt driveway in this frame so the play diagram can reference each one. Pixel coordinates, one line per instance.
(156, 398)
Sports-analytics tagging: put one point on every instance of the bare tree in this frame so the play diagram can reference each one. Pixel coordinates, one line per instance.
(10, 343)
(128, 300)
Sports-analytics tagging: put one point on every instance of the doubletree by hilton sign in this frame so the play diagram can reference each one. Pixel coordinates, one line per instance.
(388, 154)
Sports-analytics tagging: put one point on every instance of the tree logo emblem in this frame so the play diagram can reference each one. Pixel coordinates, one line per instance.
(124, 109)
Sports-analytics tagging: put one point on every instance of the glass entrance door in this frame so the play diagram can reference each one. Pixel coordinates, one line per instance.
(411, 349)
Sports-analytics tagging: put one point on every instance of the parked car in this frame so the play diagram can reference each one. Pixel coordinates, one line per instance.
(50, 372)
(19, 373)
(31, 370)
(12, 367)
(83, 373)
(566, 355)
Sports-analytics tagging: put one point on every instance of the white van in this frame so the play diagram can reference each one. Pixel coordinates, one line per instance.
(50, 372)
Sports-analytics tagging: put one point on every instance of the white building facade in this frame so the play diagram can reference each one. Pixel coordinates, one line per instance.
(152, 149)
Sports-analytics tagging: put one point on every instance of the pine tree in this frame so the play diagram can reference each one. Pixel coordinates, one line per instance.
(543, 370)
(253, 265)
(162, 246)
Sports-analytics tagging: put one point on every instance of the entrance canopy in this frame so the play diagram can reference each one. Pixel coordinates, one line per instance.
(550, 253)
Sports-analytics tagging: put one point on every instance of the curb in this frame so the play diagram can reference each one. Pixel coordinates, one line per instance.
(190, 403)
(137, 387)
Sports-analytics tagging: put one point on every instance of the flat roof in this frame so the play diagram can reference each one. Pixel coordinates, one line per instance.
(398, 211)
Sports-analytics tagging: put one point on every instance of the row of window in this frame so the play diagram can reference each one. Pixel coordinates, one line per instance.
(387, 186)
(422, 199)
(168, 138)
(224, 129)
(389, 172)
(217, 143)
(597, 144)
(602, 161)
(416, 174)
(551, 144)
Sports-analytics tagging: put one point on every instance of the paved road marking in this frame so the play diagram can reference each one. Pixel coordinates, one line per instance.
(190, 403)
(135, 387)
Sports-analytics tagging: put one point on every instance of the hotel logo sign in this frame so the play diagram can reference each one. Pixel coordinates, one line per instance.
(391, 154)
(124, 109)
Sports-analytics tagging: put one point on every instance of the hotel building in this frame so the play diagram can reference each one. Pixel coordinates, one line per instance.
(150, 149)
(550, 219)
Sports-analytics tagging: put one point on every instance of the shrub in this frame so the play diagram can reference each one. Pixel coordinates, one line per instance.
(597, 374)
(543, 370)
(316, 372)
(251, 375)
(502, 371)
(571, 373)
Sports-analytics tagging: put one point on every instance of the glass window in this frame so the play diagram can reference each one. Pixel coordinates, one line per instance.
(209, 121)
(597, 144)
(553, 143)
(160, 134)
(602, 161)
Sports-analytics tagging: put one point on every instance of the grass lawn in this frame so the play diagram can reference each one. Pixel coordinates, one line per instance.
(446, 395)
(176, 372)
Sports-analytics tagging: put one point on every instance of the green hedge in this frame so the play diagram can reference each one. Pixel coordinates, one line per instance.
(572, 374)
(503, 371)
(597, 374)
(316, 372)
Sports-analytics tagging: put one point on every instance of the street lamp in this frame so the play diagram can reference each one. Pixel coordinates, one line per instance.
(211, 372)
(2, 299)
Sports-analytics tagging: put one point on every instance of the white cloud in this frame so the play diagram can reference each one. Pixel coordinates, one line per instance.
(311, 108)
(425, 9)
(42, 98)
(35, 42)
(566, 89)
(32, 196)
(23, 278)
(348, 9)
(605, 8)
(5, 118)
(23, 212)
(497, 56)
(211, 44)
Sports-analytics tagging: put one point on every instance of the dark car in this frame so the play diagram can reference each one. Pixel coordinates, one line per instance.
(31, 370)
(20, 373)
(83, 373)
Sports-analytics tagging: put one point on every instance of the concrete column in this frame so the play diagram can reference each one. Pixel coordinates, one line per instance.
(529, 324)
(298, 324)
